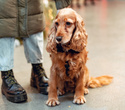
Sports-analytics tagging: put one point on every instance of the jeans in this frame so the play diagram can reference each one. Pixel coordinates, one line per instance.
(33, 47)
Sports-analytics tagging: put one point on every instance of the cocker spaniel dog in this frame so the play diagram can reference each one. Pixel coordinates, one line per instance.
(67, 47)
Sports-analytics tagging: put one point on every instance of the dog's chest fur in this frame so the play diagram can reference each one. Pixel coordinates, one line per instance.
(69, 65)
(69, 68)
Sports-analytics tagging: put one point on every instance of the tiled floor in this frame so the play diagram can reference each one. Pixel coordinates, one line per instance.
(105, 24)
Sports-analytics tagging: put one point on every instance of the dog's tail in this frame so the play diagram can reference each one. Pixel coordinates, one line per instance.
(99, 81)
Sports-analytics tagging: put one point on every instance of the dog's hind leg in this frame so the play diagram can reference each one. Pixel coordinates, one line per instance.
(86, 91)
(60, 86)
(86, 80)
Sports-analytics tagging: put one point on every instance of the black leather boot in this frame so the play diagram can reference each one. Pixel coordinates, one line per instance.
(39, 79)
(11, 88)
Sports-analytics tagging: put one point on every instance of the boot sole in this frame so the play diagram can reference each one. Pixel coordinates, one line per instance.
(15, 98)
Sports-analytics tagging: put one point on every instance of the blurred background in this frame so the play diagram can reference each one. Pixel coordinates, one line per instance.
(105, 24)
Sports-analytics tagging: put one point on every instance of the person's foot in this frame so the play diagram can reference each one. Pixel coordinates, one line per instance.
(72, 5)
(85, 3)
(39, 79)
(92, 2)
(78, 5)
(12, 90)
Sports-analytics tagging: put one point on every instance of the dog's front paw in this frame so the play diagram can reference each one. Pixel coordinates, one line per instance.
(79, 100)
(52, 102)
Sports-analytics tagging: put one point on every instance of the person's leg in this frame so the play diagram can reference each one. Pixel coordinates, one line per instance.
(6, 53)
(33, 47)
(10, 87)
(78, 4)
(72, 3)
(92, 2)
(85, 2)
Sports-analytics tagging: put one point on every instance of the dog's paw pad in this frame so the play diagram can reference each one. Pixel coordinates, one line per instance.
(79, 100)
(86, 91)
(52, 102)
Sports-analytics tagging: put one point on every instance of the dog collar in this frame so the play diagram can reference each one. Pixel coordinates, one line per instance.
(60, 49)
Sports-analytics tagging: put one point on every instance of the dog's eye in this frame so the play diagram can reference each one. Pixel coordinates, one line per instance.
(56, 23)
(68, 23)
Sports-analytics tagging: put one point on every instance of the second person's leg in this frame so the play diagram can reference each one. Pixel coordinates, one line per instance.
(33, 46)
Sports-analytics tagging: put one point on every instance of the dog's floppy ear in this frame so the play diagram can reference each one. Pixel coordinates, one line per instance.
(51, 44)
(79, 38)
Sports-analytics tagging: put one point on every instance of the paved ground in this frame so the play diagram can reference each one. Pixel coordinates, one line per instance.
(105, 24)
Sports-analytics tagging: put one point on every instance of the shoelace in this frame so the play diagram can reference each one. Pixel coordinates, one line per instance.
(9, 78)
(39, 70)
(10, 81)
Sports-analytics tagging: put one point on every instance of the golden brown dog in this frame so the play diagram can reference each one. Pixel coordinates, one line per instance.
(67, 47)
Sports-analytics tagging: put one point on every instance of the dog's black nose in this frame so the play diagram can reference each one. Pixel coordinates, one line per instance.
(59, 38)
